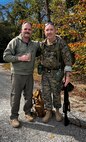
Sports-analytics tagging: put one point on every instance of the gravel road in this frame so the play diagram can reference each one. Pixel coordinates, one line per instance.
(35, 131)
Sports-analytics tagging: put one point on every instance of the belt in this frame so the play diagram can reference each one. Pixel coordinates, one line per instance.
(45, 69)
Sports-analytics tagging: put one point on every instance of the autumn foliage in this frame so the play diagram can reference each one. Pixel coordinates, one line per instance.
(70, 24)
(80, 55)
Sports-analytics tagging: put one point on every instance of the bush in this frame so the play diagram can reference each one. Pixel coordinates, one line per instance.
(80, 55)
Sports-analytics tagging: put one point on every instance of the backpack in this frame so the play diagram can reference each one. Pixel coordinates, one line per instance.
(38, 104)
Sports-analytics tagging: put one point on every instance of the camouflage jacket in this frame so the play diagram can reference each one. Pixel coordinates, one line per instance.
(56, 55)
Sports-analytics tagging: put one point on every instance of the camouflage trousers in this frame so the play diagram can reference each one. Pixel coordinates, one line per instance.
(51, 88)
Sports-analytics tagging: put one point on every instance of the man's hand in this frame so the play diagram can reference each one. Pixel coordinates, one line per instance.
(67, 80)
(25, 58)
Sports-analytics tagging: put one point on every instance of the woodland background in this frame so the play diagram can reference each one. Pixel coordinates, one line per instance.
(69, 17)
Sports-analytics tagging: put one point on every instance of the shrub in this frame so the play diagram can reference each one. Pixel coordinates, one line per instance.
(80, 55)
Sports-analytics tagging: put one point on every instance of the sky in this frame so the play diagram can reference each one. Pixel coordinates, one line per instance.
(3, 2)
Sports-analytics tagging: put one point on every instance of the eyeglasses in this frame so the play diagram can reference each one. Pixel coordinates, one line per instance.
(49, 23)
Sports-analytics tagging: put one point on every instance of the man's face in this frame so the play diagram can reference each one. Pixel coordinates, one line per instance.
(50, 31)
(26, 30)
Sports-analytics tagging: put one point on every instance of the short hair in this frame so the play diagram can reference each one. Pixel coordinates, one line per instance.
(49, 23)
(26, 23)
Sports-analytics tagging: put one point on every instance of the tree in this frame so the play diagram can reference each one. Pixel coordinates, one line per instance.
(71, 3)
(5, 37)
(48, 10)
(70, 24)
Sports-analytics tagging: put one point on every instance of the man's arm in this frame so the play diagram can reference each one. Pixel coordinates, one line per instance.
(9, 54)
(66, 56)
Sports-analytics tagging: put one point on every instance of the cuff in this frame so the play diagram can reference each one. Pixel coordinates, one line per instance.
(67, 69)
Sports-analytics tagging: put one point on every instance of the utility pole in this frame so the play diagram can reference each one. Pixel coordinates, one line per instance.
(47, 10)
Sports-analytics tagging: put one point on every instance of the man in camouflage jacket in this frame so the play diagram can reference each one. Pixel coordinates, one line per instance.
(56, 61)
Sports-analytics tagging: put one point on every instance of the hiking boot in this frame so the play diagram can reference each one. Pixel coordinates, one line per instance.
(58, 115)
(15, 123)
(29, 118)
(47, 116)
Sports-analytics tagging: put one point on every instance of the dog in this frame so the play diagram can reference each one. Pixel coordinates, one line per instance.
(38, 103)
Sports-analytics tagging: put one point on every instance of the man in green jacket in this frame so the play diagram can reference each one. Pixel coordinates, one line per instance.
(21, 52)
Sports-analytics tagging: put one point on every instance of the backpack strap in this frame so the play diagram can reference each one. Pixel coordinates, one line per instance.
(61, 61)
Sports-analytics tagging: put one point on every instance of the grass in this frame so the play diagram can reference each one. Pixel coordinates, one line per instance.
(6, 66)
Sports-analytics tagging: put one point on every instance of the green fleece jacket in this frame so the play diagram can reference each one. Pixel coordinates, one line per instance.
(16, 47)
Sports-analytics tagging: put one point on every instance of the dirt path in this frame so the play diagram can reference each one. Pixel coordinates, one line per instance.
(77, 100)
(37, 131)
